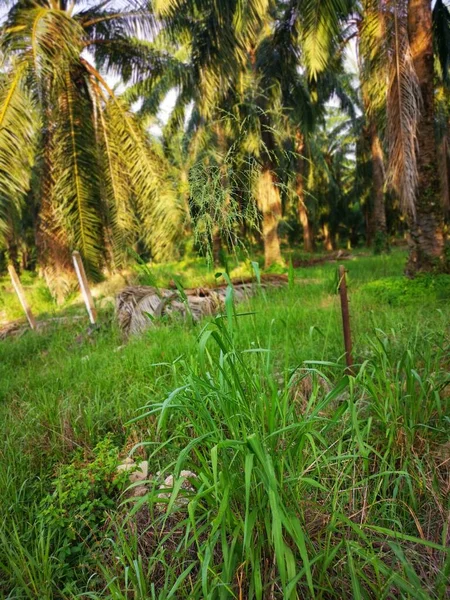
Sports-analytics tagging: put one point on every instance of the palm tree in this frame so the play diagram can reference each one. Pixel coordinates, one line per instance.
(403, 53)
(426, 222)
(260, 101)
(400, 43)
(441, 41)
(238, 70)
(284, 74)
(206, 48)
(102, 183)
(370, 34)
(331, 179)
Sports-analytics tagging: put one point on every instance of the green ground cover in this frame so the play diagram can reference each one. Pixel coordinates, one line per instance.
(310, 483)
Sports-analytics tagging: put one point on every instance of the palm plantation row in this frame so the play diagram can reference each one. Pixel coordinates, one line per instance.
(271, 125)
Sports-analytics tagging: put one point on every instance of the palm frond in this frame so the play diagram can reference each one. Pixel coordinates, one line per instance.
(76, 175)
(152, 88)
(161, 213)
(131, 20)
(278, 61)
(19, 124)
(374, 59)
(321, 25)
(121, 224)
(403, 112)
(128, 58)
(48, 37)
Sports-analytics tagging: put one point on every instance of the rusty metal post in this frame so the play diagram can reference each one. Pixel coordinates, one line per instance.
(346, 320)
(82, 280)
(21, 295)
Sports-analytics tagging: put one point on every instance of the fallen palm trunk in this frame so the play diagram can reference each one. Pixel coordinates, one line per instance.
(138, 307)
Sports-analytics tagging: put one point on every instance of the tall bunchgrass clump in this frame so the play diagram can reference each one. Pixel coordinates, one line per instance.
(310, 483)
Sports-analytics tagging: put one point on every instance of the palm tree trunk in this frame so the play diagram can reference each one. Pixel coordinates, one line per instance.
(306, 225)
(444, 171)
(327, 238)
(12, 250)
(11, 243)
(426, 243)
(269, 203)
(54, 258)
(379, 204)
(53, 252)
(368, 220)
(300, 189)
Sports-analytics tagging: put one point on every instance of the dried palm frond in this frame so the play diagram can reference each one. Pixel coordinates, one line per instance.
(139, 307)
(404, 103)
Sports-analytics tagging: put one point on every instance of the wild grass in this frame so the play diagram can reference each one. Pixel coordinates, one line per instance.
(310, 483)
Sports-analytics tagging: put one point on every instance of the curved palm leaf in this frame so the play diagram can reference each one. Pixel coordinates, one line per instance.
(77, 185)
(19, 124)
(162, 215)
(321, 24)
(403, 111)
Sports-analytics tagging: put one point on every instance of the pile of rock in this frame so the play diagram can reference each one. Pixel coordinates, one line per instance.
(138, 474)
(142, 482)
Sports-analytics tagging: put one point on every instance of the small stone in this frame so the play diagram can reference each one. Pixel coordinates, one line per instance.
(169, 483)
(141, 473)
(139, 491)
(188, 475)
(126, 465)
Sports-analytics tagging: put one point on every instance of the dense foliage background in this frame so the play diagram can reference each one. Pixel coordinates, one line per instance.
(324, 123)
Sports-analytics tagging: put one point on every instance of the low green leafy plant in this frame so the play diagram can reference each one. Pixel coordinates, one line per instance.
(76, 512)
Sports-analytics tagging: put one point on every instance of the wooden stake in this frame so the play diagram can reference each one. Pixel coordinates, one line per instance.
(82, 280)
(21, 295)
(346, 320)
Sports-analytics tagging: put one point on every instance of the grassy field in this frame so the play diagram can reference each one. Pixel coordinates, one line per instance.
(310, 483)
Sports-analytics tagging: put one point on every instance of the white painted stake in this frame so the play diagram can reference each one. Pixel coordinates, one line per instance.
(21, 295)
(82, 280)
